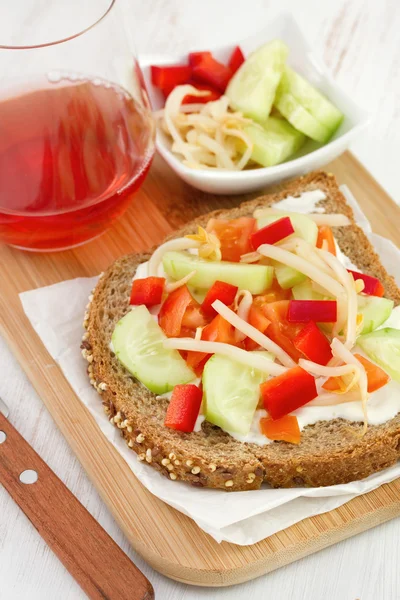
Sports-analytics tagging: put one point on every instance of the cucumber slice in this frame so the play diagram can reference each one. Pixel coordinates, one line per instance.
(374, 310)
(304, 291)
(303, 226)
(383, 347)
(138, 344)
(300, 118)
(255, 278)
(231, 393)
(252, 89)
(311, 99)
(287, 276)
(274, 142)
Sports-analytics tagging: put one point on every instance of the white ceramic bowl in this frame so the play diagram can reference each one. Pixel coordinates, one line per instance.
(311, 156)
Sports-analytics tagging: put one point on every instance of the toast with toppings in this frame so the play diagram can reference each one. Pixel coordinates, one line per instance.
(330, 451)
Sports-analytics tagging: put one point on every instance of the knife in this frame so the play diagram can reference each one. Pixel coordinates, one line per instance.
(92, 557)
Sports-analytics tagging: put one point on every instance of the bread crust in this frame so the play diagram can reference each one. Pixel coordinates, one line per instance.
(330, 452)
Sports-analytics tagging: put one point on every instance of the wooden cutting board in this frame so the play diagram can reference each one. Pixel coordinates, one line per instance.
(169, 541)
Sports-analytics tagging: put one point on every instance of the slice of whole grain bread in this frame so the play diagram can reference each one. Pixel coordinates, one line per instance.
(330, 452)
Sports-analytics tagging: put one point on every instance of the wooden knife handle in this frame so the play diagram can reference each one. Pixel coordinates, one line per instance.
(92, 557)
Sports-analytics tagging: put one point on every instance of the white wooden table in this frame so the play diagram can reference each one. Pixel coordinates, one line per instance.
(359, 41)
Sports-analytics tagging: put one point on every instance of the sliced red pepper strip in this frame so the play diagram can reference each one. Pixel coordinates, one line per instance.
(287, 392)
(313, 344)
(320, 311)
(236, 60)
(147, 291)
(166, 78)
(184, 407)
(326, 240)
(208, 70)
(372, 285)
(218, 291)
(173, 310)
(272, 233)
(285, 429)
(196, 57)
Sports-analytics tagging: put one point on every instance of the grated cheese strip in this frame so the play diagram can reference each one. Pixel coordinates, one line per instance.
(325, 371)
(309, 252)
(340, 351)
(244, 299)
(253, 333)
(332, 400)
(250, 257)
(251, 359)
(300, 264)
(178, 244)
(334, 220)
(171, 287)
(352, 306)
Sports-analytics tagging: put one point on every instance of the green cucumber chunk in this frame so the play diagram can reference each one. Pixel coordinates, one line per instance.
(374, 310)
(383, 347)
(252, 89)
(231, 393)
(303, 226)
(311, 99)
(138, 344)
(300, 118)
(304, 291)
(287, 276)
(274, 141)
(255, 278)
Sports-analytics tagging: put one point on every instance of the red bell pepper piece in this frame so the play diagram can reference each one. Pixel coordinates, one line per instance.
(208, 70)
(320, 311)
(285, 429)
(184, 407)
(196, 57)
(372, 285)
(213, 95)
(326, 240)
(236, 60)
(287, 392)
(272, 233)
(147, 291)
(313, 344)
(218, 291)
(166, 78)
(173, 310)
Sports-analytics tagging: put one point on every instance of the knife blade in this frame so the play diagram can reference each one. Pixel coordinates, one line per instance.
(92, 557)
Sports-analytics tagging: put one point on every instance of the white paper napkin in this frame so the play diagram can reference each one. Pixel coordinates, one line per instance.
(56, 313)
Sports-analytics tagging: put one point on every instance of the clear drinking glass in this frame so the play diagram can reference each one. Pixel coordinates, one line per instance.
(76, 132)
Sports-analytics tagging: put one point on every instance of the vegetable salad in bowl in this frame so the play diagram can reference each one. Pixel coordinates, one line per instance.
(253, 112)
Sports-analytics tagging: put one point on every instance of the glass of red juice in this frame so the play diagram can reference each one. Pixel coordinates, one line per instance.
(76, 131)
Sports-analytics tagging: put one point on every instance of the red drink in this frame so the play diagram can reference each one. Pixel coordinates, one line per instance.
(71, 156)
